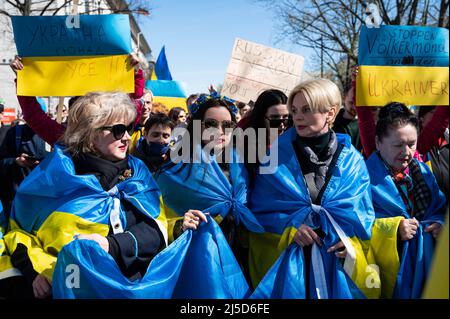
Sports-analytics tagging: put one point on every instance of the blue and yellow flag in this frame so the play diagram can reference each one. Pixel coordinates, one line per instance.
(281, 203)
(401, 277)
(203, 186)
(198, 264)
(6, 268)
(73, 55)
(165, 90)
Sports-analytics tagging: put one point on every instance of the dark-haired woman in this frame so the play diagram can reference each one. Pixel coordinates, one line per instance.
(209, 178)
(177, 115)
(269, 112)
(408, 204)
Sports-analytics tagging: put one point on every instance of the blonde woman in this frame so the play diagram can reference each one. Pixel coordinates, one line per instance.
(89, 189)
(315, 206)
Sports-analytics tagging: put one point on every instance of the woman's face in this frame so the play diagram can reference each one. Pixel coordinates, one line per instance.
(307, 123)
(277, 117)
(181, 117)
(349, 105)
(427, 118)
(159, 134)
(108, 146)
(217, 119)
(398, 146)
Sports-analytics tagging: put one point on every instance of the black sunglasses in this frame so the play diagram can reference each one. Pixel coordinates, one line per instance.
(119, 130)
(215, 124)
(276, 122)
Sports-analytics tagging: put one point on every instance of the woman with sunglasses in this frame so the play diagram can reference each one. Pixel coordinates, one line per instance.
(315, 207)
(210, 180)
(269, 111)
(88, 189)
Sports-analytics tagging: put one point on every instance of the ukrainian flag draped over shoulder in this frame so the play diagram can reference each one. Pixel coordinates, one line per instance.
(53, 204)
(165, 90)
(204, 186)
(281, 203)
(403, 275)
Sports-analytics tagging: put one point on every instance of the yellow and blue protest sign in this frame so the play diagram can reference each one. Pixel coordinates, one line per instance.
(407, 64)
(403, 45)
(411, 85)
(165, 90)
(64, 59)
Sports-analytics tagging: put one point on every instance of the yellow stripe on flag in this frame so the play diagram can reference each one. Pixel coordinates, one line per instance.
(72, 76)
(379, 85)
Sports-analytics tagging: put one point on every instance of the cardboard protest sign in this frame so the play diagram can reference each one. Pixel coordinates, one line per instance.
(379, 85)
(254, 68)
(61, 59)
(403, 45)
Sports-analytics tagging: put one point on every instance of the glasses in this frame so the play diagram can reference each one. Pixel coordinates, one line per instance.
(275, 122)
(212, 123)
(119, 130)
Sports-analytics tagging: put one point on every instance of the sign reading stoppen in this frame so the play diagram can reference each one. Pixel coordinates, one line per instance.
(254, 68)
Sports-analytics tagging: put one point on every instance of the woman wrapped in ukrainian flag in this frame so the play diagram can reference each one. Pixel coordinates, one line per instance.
(408, 204)
(90, 210)
(315, 206)
(209, 183)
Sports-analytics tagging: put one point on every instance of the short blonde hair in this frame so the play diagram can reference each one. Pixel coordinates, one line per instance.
(321, 95)
(92, 112)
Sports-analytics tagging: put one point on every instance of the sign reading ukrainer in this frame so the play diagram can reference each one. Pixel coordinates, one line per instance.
(254, 68)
